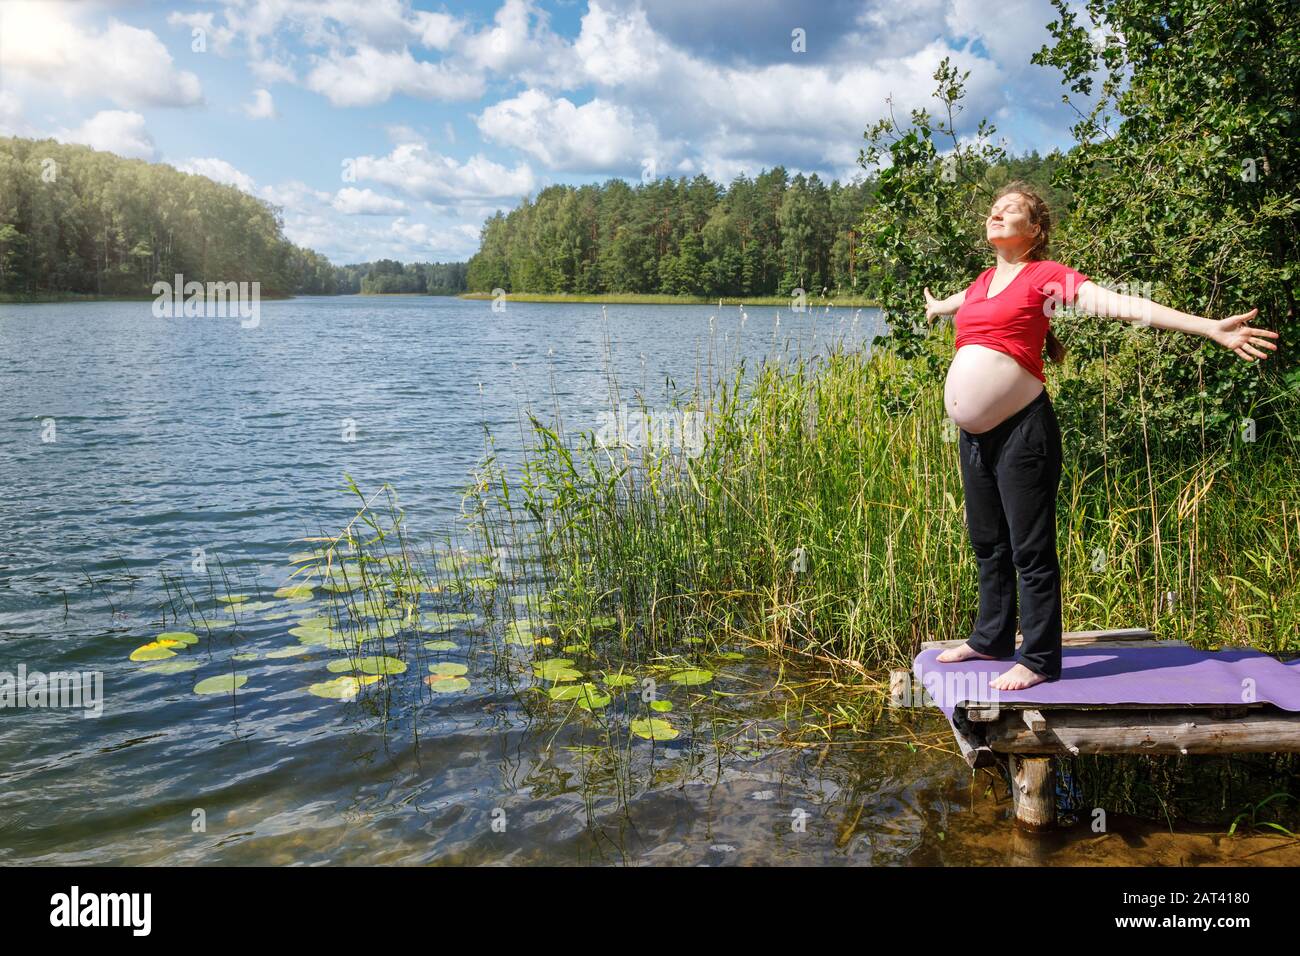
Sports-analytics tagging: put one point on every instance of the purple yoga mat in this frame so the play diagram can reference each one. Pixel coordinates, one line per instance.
(1142, 674)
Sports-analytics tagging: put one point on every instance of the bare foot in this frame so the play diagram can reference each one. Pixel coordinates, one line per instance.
(962, 652)
(1018, 678)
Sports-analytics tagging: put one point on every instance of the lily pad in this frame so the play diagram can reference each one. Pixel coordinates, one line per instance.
(619, 680)
(155, 650)
(293, 650)
(692, 677)
(312, 635)
(448, 669)
(233, 598)
(652, 728)
(340, 688)
(184, 637)
(245, 656)
(662, 706)
(221, 684)
(556, 669)
(381, 665)
(588, 696)
(731, 656)
(441, 646)
(295, 592)
(441, 684)
(603, 621)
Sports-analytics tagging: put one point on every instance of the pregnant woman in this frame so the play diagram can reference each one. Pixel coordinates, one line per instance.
(1010, 442)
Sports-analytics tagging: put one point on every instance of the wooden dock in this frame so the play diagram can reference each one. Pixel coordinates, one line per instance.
(1025, 736)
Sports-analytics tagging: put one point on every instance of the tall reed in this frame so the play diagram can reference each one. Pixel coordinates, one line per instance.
(824, 517)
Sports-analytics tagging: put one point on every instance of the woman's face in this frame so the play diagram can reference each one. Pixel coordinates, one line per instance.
(1008, 226)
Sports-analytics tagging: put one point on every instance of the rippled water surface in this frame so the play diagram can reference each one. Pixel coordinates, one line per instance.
(150, 463)
(136, 446)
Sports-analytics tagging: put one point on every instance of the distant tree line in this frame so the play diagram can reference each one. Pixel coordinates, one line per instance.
(763, 236)
(759, 236)
(387, 276)
(77, 220)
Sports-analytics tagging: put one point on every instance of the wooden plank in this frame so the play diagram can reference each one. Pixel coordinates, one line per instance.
(1120, 730)
(974, 750)
(1034, 720)
(1120, 637)
(985, 711)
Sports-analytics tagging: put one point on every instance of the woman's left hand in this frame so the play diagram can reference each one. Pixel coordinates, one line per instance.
(1233, 333)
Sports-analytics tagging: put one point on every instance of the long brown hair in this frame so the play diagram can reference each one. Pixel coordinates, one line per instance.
(1040, 216)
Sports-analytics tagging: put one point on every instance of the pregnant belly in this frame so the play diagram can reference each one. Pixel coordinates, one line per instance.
(985, 387)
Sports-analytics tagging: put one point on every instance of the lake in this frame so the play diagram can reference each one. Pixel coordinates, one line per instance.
(154, 460)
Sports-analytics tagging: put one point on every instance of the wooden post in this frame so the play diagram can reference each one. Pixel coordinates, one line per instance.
(1033, 791)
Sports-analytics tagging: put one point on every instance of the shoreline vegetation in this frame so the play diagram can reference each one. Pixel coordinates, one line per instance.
(822, 520)
(640, 298)
(53, 298)
(611, 298)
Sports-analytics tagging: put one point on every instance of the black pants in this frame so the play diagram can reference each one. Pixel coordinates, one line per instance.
(1011, 473)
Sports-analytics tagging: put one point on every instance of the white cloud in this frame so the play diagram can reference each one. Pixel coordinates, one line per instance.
(12, 122)
(46, 44)
(116, 131)
(436, 30)
(417, 171)
(727, 119)
(366, 202)
(218, 170)
(272, 71)
(295, 194)
(617, 50)
(521, 45)
(369, 76)
(262, 107)
(1011, 31)
(597, 136)
(204, 33)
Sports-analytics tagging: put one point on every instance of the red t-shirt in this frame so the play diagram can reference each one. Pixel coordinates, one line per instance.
(1015, 320)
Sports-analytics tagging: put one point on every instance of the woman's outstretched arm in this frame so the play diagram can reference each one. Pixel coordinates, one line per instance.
(946, 306)
(1232, 333)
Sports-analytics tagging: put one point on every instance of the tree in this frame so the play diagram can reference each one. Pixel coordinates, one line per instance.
(1197, 192)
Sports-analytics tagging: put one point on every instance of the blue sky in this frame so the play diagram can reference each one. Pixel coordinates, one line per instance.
(387, 128)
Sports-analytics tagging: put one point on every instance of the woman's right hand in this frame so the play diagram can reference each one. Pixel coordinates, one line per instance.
(932, 305)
